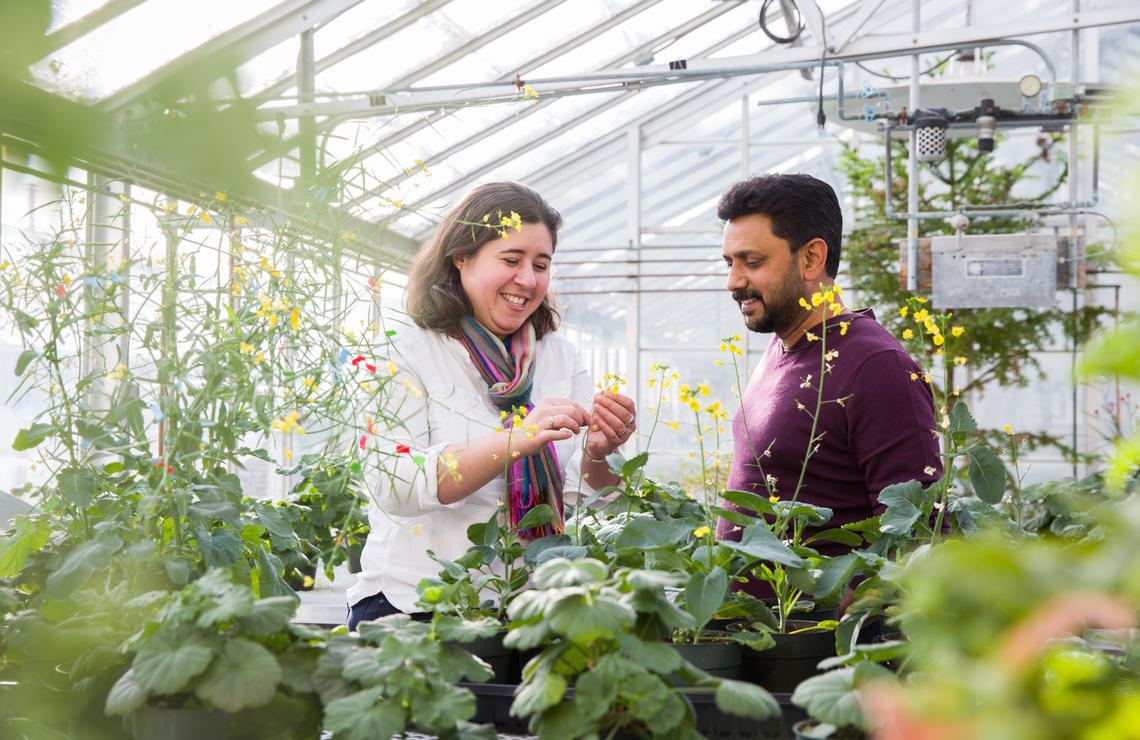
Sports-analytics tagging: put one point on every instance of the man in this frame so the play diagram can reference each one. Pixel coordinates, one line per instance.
(876, 425)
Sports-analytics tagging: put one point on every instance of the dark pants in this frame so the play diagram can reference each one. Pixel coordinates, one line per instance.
(374, 607)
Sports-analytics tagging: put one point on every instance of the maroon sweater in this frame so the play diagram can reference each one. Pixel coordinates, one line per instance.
(883, 433)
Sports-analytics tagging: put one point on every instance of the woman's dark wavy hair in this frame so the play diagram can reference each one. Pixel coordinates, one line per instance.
(434, 297)
(800, 207)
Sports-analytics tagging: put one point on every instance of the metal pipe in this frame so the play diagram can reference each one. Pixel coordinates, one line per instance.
(1074, 227)
(912, 165)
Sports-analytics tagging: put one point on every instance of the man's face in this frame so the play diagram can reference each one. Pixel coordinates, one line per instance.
(763, 275)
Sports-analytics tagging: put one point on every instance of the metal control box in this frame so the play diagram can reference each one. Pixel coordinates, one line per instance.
(994, 270)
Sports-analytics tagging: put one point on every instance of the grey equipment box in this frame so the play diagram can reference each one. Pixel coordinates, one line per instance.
(994, 270)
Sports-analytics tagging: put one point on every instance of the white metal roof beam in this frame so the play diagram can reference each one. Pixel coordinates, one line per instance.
(687, 27)
(237, 45)
(421, 72)
(359, 45)
(102, 15)
(540, 104)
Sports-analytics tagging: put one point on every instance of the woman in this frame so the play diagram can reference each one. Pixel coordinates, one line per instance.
(483, 356)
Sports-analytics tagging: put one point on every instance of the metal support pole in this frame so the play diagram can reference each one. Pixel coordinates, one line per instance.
(306, 87)
(912, 171)
(1074, 225)
(745, 171)
(633, 299)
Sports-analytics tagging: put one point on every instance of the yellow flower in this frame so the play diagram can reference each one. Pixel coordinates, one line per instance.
(907, 333)
(700, 532)
(960, 360)
(816, 299)
(957, 331)
(903, 311)
(1007, 428)
(836, 308)
(695, 405)
(773, 499)
(914, 376)
(920, 317)
(811, 337)
(926, 377)
(220, 196)
(938, 340)
(205, 217)
(307, 581)
(843, 327)
(673, 425)
(804, 303)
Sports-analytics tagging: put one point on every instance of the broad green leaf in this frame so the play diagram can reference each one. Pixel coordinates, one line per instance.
(704, 593)
(831, 697)
(221, 546)
(165, 668)
(456, 664)
(364, 716)
(125, 697)
(560, 572)
(540, 690)
(537, 547)
(654, 656)
(570, 552)
(90, 557)
(753, 502)
(631, 466)
(230, 602)
(443, 708)
(100, 438)
(28, 438)
(77, 486)
(760, 544)
(835, 577)
(565, 720)
(269, 615)
(987, 474)
(223, 511)
(536, 517)
(904, 506)
(470, 731)
(645, 534)
(245, 675)
(842, 536)
(25, 321)
(29, 536)
(583, 622)
(1113, 352)
(745, 700)
(456, 629)
(961, 422)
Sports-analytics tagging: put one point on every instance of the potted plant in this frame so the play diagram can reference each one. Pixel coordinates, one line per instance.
(601, 637)
(395, 675)
(220, 660)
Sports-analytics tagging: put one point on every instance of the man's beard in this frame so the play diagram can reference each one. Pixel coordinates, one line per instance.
(782, 311)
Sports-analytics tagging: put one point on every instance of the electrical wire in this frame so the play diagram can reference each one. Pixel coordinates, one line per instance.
(780, 39)
(892, 78)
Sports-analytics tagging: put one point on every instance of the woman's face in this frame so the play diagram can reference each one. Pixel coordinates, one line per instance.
(506, 280)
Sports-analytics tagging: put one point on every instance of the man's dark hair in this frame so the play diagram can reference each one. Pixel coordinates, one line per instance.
(800, 207)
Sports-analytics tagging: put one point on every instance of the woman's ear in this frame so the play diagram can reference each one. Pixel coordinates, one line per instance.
(458, 262)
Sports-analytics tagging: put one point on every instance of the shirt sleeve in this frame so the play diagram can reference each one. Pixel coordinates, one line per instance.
(891, 425)
(401, 462)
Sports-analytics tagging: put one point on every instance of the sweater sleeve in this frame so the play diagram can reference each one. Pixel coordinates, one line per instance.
(891, 424)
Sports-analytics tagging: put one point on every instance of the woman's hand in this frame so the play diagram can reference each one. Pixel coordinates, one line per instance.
(613, 420)
(550, 419)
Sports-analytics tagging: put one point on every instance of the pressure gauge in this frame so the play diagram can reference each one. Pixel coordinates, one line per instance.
(1029, 85)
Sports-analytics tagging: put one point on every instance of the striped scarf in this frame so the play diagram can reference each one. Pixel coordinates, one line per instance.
(534, 479)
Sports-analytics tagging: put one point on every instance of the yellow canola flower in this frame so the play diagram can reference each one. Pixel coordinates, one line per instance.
(811, 337)
(1007, 428)
(804, 303)
(960, 360)
(843, 327)
(938, 340)
(903, 311)
(700, 532)
(673, 425)
(907, 333)
(957, 331)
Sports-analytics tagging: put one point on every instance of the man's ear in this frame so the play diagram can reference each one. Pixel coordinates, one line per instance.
(813, 260)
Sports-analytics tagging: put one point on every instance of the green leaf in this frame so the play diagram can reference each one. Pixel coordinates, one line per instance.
(29, 536)
(630, 467)
(90, 557)
(166, 668)
(363, 716)
(221, 546)
(831, 697)
(223, 511)
(100, 438)
(583, 622)
(269, 615)
(443, 707)
(455, 629)
(229, 602)
(245, 675)
(904, 502)
(646, 534)
(560, 572)
(28, 438)
(753, 502)
(542, 689)
(704, 593)
(987, 474)
(745, 700)
(25, 322)
(842, 536)
(759, 543)
(536, 517)
(22, 361)
(77, 486)
(126, 695)
(593, 694)
(655, 656)
(835, 577)
(961, 422)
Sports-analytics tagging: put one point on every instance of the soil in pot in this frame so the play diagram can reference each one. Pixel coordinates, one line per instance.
(793, 658)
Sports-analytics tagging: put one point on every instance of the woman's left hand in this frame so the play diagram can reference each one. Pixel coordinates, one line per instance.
(613, 420)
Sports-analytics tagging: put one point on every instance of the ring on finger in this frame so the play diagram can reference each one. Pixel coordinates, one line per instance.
(551, 422)
(629, 424)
